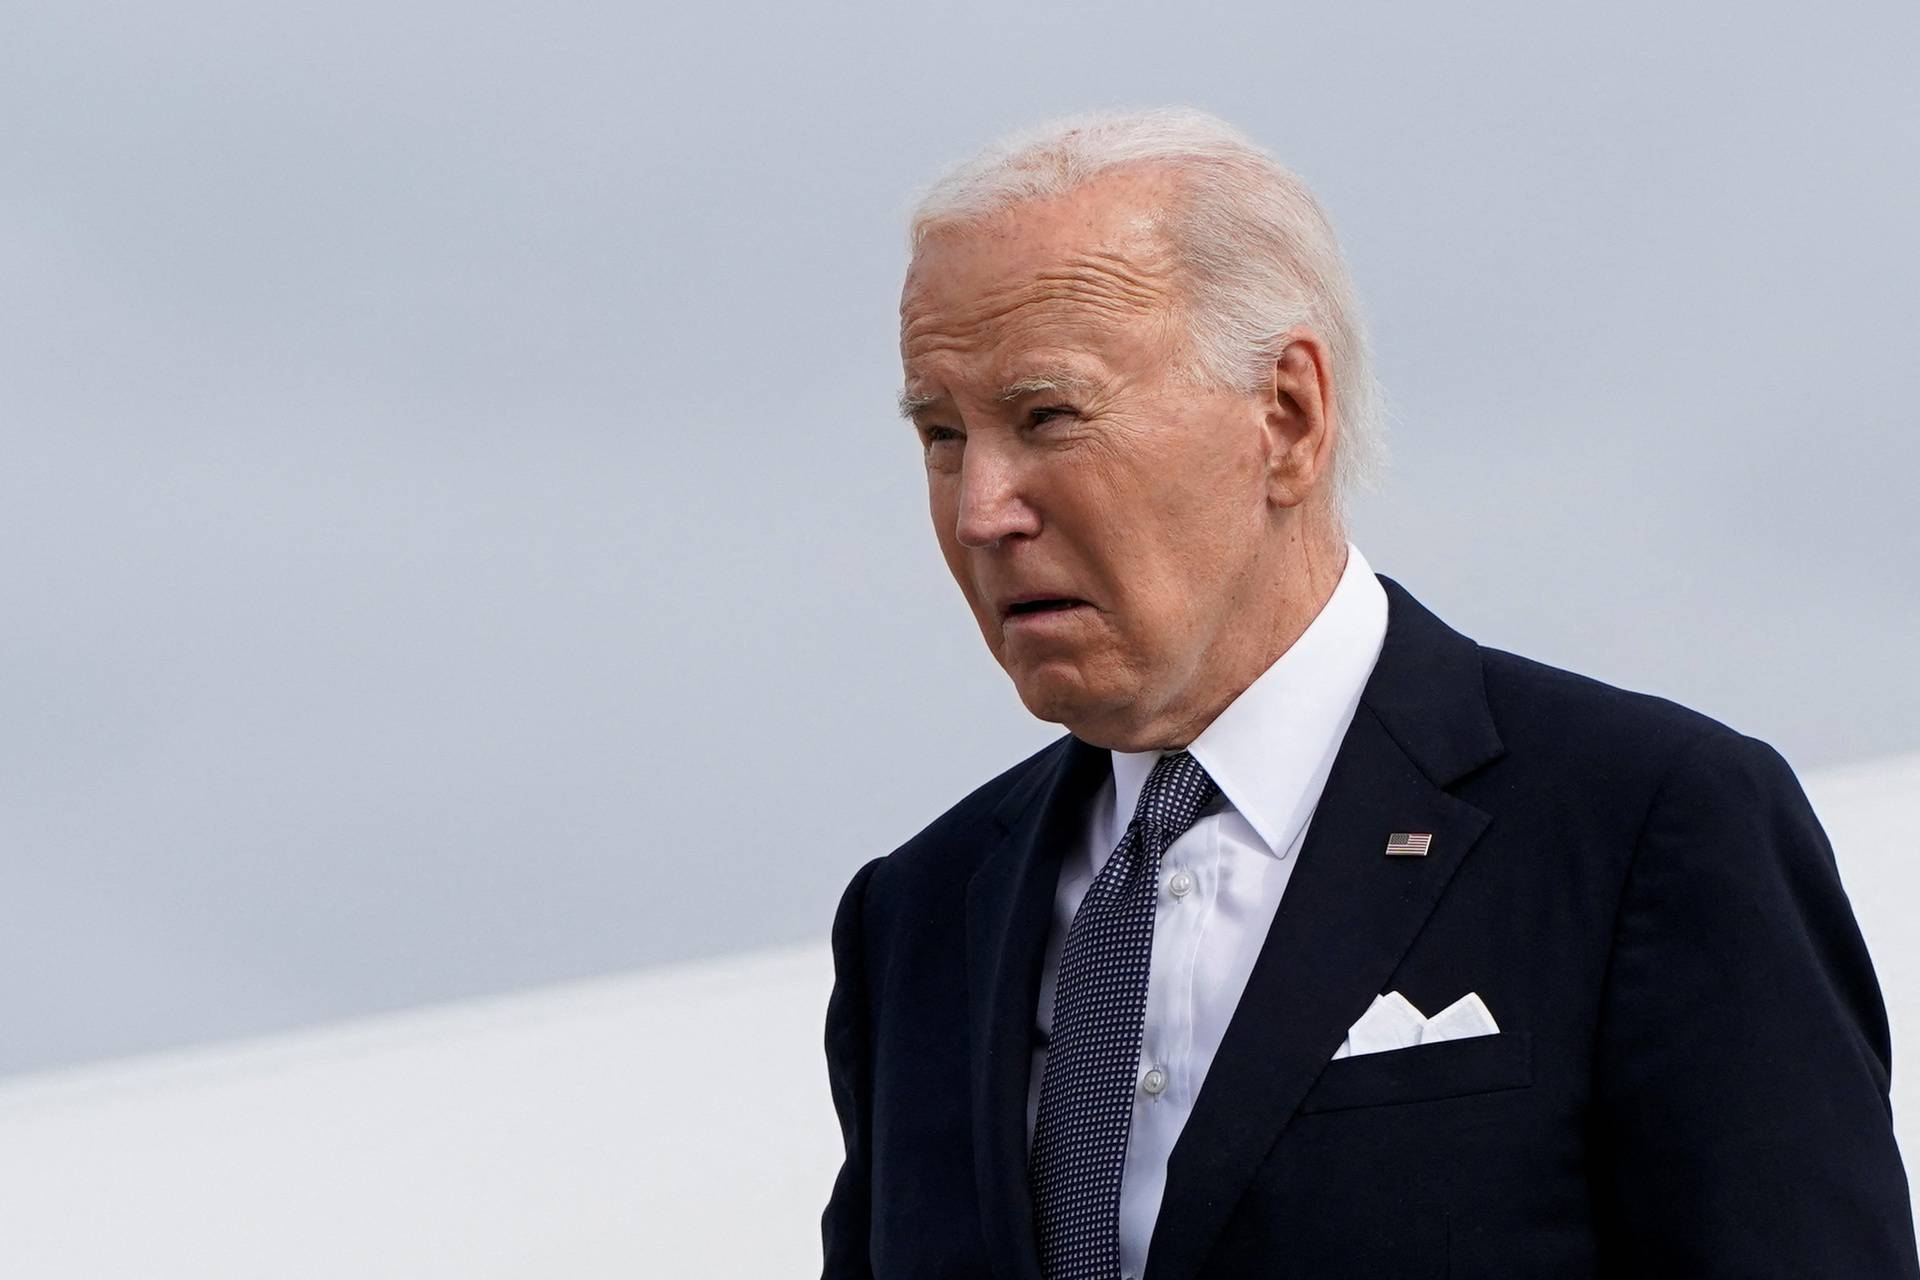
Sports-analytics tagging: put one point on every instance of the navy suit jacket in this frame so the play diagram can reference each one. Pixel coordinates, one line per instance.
(1690, 1076)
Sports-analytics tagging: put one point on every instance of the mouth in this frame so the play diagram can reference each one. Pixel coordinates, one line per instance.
(1040, 611)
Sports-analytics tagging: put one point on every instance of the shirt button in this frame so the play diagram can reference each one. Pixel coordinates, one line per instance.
(1179, 883)
(1155, 1082)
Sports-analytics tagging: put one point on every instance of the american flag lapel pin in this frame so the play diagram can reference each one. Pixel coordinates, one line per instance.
(1409, 844)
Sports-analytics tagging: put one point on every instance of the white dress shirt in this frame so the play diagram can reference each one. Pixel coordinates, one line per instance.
(1270, 752)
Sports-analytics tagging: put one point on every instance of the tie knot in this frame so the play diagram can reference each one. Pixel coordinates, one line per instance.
(1174, 794)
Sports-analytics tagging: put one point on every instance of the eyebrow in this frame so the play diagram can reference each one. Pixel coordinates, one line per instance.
(1063, 380)
(911, 404)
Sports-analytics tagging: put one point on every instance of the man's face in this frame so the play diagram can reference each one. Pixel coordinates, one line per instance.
(1103, 528)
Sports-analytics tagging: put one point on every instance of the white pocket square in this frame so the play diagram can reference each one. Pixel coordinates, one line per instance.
(1392, 1022)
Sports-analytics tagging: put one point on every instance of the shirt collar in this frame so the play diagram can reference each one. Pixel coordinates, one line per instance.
(1271, 748)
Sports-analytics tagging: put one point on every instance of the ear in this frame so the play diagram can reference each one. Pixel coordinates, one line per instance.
(1297, 417)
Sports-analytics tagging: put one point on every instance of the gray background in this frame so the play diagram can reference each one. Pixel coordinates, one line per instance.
(454, 534)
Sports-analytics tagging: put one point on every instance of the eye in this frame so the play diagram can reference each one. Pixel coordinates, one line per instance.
(1047, 413)
(942, 446)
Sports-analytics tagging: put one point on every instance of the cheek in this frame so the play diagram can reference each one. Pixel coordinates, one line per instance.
(941, 509)
(1172, 561)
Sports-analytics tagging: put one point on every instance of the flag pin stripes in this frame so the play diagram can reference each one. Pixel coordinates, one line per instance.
(1409, 844)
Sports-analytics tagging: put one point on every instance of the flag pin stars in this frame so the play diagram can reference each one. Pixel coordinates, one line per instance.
(1409, 844)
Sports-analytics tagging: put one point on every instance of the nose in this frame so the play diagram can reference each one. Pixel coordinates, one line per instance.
(991, 505)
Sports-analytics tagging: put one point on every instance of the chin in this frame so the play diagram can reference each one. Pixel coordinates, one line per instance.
(1047, 695)
(1058, 695)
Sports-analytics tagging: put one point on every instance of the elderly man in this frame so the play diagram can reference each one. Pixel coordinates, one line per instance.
(1326, 942)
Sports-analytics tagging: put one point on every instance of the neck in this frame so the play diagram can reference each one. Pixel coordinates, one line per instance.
(1291, 593)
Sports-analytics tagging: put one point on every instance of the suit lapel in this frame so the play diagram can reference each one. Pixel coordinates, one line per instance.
(1348, 916)
(1009, 909)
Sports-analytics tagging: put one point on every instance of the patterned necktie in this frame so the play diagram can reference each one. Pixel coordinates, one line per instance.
(1093, 1054)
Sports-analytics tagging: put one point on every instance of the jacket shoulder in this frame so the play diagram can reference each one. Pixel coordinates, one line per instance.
(1540, 709)
(950, 845)
(974, 811)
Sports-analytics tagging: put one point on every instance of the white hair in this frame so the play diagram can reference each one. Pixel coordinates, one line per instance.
(1255, 252)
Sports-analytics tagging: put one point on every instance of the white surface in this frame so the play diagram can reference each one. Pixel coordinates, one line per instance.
(665, 1124)
(673, 1122)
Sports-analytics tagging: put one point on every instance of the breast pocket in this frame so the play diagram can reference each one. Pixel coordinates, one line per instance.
(1425, 1072)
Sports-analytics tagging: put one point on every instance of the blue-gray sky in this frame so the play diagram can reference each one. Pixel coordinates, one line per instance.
(454, 534)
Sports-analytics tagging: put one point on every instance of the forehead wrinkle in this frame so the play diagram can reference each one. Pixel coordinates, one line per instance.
(1097, 292)
(1112, 295)
(1120, 277)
